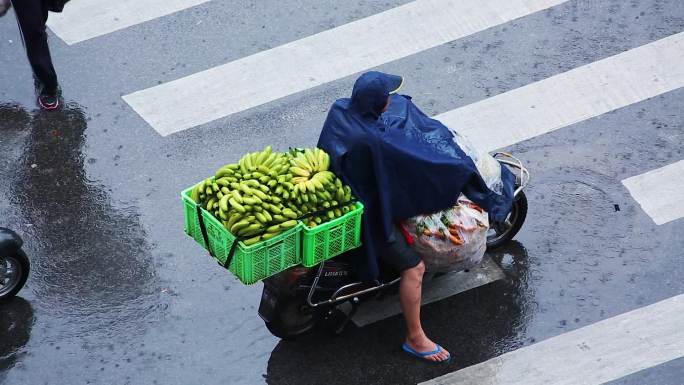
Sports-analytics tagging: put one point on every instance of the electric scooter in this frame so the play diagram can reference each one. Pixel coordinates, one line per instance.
(297, 299)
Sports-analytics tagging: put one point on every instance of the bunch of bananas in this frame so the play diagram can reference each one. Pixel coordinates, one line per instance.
(249, 197)
(307, 163)
(316, 188)
(266, 192)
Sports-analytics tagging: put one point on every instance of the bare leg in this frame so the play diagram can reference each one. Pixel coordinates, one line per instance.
(410, 291)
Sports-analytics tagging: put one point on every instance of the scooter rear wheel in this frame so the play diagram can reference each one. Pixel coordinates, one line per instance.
(14, 271)
(292, 317)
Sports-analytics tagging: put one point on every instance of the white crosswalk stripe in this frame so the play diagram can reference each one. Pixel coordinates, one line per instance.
(573, 96)
(660, 192)
(86, 19)
(321, 58)
(598, 353)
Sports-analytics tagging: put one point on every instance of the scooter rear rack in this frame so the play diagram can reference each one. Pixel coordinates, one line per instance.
(337, 296)
(515, 163)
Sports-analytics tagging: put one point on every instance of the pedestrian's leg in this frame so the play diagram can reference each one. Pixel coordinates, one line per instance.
(410, 291)
(32, 15)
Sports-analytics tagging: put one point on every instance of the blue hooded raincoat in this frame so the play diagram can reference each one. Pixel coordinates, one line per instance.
(399, 164)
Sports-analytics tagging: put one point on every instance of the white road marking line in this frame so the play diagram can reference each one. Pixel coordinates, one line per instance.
(86, 19)
(598, 353)
(320, 58)
(660, 192)
(572, 96)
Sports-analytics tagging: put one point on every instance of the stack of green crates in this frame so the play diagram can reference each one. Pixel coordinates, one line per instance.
(250, 263)
(333, 238)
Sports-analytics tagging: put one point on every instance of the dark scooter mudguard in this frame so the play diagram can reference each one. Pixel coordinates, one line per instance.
(281, 287)
(276, 288)
(268, 304)
(10, 242)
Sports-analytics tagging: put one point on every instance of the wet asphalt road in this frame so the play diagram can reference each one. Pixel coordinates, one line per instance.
(119, 295)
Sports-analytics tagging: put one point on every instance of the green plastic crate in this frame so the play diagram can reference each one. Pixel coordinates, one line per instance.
(333, 238)
(250, 263)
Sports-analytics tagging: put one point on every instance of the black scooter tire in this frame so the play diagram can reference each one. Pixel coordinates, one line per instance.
(520, 207)
(279, 326)
(25, 266)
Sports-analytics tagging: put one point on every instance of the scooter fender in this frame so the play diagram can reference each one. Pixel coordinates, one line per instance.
(10, 242)
(279, 287)
(269, 303)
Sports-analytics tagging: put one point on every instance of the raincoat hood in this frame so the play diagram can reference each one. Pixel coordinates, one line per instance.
(371, 90)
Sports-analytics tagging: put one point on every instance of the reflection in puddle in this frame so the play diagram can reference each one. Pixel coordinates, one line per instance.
(91, 262)
(16, 323)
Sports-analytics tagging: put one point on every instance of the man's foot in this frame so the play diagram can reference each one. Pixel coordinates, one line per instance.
(423, 345)
(48, 100)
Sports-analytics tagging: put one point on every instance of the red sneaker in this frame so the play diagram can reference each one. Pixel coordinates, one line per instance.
(48, 101)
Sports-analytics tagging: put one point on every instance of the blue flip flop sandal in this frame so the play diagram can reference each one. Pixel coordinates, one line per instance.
(421, 355)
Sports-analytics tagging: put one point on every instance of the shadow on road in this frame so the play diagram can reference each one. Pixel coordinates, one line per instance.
(92, 263)
(474, 326)
(16, 322)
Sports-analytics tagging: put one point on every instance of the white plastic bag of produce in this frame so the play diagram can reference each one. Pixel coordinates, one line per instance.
(453, 239)
(488, 167)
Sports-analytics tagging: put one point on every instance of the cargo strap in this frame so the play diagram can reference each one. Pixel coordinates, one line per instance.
(203, 229)
(231, 253)
(205, 237)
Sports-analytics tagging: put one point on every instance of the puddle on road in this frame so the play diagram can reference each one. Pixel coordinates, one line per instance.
(92, 272)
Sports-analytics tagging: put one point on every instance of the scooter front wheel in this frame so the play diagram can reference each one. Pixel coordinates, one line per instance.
(14, 271)
(500, 233)
(292, 317)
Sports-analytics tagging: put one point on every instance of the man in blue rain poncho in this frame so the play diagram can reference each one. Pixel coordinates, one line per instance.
(400, 163)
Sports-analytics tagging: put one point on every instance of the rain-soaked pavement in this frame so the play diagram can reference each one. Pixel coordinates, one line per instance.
(119, 295)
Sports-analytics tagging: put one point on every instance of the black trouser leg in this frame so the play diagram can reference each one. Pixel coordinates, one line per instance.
(32, 15)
